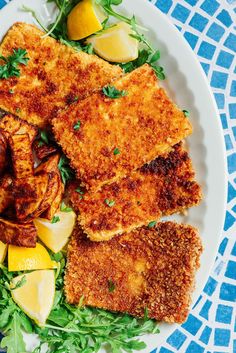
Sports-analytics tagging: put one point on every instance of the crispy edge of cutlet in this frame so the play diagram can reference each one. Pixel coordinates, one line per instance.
(151, 269)
(163, 187)
(145, 114)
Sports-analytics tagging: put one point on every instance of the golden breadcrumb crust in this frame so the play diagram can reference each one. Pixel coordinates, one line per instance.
(147, 268)
(142, 125)
(163, 187)
(55, 76)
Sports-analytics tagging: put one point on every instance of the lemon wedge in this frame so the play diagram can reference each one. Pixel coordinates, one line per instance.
(3, 251)
(36, 294)
(85, 19)
(56, 235)
(27, 259)
(115, 44)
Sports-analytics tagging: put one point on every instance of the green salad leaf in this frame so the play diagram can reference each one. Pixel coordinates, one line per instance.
(69, 328)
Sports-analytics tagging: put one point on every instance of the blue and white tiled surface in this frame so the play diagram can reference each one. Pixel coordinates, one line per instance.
(209, 26)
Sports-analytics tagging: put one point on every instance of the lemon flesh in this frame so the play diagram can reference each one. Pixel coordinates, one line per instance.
(26, 259)
(36, 295)
(115, 44)
(56, 235)
(84, 19)
(3, 251)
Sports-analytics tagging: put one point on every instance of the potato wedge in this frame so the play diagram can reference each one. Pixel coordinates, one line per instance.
(22, 156)
(6, 195)
(18, 234)
(51, 193)
(29, 194)
(3, 152)
(50, 212)
(50, 165)
(11, 124)
(44, 150)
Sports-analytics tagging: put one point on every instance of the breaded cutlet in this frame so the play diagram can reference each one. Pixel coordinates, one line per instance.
(105, 138)
(55, 76)
(151, 269)
(165, 186)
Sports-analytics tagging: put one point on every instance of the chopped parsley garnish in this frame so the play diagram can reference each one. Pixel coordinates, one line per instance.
(10, 67)
(11, 91)
(55, 219)
(109, 203)
(116, 151)
(18, 110)
(76, 98)
(65, 208)
(112, 92)
(65, 170)
(111, 286)
(77, 125)
(152, 224)
(186, 113)
(80, 191)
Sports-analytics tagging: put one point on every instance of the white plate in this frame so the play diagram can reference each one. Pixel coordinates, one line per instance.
(187, 85)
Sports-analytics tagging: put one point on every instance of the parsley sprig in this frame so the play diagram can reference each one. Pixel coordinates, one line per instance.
(10, 68)
(114, 93)
(65, 169)
(69, 328)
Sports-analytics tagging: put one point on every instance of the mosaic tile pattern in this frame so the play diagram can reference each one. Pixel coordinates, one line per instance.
(209, 26)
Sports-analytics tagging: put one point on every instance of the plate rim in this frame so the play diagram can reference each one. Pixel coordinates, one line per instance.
(193, 57)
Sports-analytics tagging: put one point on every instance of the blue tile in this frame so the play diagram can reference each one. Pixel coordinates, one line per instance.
(224, 314)
(206, 50)
(154, 351)
(229, 221)
(210, 6)
(230, 42)
(232, 110)
(224, 121)
(225, 18)
(233, 252)
(231, 192)
(225, 59)
(192, 324)
(198, 22)
(234, 347)
(233, 89)
(228, 292)
(206, 67)
(215, 32)
(231, 270)
(223, 246)
(177, 339)
(165, 350)
(164, 5)
(219, 79)
(220, 100)
(191, 38)
(191, 2)
(2, 3)
(179, 28)
(204, 312)
(210, 286)
(194, 348)
(205, 336)
(234, 208)
(181, 13)
(228, 143)
(198, 300)
(234, 132)
(221, 337)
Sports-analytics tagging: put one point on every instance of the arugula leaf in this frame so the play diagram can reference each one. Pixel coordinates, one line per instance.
(77, 125)
(112, 92)
(65, 169)
(13, 340)
(20, 283)
(10, 68)
(186, 113)
(152, 224)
